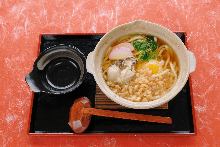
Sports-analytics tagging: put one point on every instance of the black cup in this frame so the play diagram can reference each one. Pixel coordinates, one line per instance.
(58, 70)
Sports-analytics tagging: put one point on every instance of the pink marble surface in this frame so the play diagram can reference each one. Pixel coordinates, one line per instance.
(22, 21)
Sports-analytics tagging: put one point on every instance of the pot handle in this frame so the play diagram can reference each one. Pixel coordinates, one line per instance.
(192, 61)
(30, 79)
(90, 62)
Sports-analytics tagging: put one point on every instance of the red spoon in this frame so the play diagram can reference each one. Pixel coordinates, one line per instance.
(81, 112)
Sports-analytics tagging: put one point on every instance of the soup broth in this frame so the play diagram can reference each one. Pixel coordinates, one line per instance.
(140, 67)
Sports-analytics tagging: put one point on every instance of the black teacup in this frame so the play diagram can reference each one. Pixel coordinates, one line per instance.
(58, 70)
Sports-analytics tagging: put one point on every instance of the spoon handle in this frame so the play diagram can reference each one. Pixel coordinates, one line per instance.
(125, 115)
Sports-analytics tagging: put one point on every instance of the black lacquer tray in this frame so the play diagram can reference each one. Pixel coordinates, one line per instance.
(50, 113)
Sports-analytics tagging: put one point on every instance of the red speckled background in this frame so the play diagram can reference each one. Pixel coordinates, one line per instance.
(22, 21)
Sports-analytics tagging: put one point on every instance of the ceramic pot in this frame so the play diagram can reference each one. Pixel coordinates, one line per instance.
(187, 61)
(58, 70)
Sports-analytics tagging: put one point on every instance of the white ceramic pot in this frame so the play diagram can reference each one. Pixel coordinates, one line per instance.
(187, 61)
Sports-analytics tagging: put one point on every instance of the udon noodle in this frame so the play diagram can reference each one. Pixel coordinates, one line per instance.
(140, 67)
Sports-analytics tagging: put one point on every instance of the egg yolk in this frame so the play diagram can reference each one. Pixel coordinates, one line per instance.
(154, 68)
